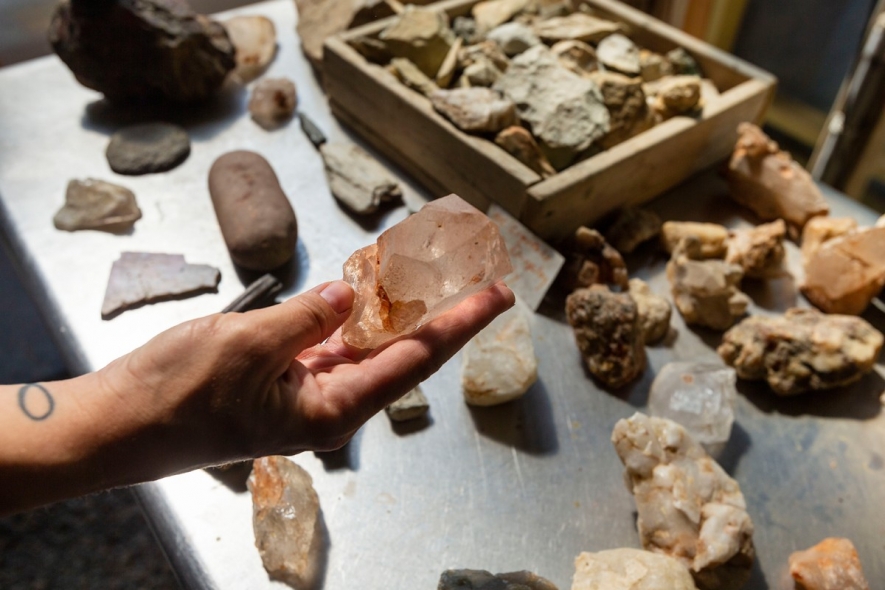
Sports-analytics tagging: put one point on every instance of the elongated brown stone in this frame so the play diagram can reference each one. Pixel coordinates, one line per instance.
(256, 219)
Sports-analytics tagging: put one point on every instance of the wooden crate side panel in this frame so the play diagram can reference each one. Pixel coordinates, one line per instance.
(644, 167)
(403, 125)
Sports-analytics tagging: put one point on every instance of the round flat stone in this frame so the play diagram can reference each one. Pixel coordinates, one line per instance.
(152, 147)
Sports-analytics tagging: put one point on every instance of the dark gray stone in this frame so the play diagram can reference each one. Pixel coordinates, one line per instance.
(483, 580)
(152, 147)
(313, 133)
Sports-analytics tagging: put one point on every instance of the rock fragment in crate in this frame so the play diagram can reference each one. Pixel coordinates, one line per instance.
(576, 56)
(688, 507)
(421, 35)
(410, 75)
(577, 26)
(491, 13)
(476, 110)
(619, 53)
(519, 143)
(683, 63)
(320, 19)
(356, 179)
(628, 112)
(513, 38)
(565, 112)
(653, 66)
(677, 95)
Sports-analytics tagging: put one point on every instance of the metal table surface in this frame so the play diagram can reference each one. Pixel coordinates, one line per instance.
(527, 485)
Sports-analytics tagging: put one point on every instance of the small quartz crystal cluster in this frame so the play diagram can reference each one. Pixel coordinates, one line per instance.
(420, 268)
(550, 85)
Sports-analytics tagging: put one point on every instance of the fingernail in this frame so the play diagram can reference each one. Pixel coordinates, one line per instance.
(339, 296)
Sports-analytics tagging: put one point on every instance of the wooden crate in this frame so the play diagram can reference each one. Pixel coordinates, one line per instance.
(403, 125)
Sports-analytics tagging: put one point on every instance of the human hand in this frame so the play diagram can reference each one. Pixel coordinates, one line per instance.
(236, 386)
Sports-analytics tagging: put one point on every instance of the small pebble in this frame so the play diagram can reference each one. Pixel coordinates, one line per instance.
(273, 102)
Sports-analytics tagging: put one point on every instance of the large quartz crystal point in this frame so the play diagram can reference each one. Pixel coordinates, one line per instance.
(421, 268)
(499, 362)
(286, 519)
(689, 508)
(630, 569)
(700, 397)
(142, 50)
(803, 350)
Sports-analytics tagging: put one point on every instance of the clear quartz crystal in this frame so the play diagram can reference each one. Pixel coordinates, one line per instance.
(421, 268)
(699, 396)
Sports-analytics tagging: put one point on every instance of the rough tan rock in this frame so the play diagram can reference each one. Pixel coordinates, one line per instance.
(408, 407)
(689, 508)
(770, 183)
(845, 273)
(683, 63)
(286, 520)
(619, 53)
(519, 143)
(706, 292)
(712, 237)
(577, 26)
(577, 56)
(630, 569)
(821, 229)
(410, 75)
(483, 51)
(421, 35)
(96, 204)
(608, 334)
(758, 250)
(631, 227)
(476, 110)
(449, 65)
(653, 66)
(678, 95)
(499, 363)
(420, 268)
(356, 179)
(491, 13)
(832, 564)
(273, 102)
(803, 350)
(513, 38)
(592, 261)
(625, 101)
(654, 311)
(482, 73)
(255, 39)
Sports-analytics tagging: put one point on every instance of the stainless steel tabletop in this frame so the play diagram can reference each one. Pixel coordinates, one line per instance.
(527, 485)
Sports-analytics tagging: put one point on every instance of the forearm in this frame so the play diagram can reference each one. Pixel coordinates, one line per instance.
(67, 438)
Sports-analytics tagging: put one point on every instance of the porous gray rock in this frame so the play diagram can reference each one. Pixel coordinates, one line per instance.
(148, 148)
(608, 334)
(142, 51)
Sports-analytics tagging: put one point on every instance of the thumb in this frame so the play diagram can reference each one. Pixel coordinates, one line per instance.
(309, 318)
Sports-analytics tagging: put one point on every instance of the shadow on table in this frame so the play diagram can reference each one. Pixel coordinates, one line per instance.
(232, 475)
(860, 400)
(345, 458)
(525, 423)
(203, 121)
(292, 274)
